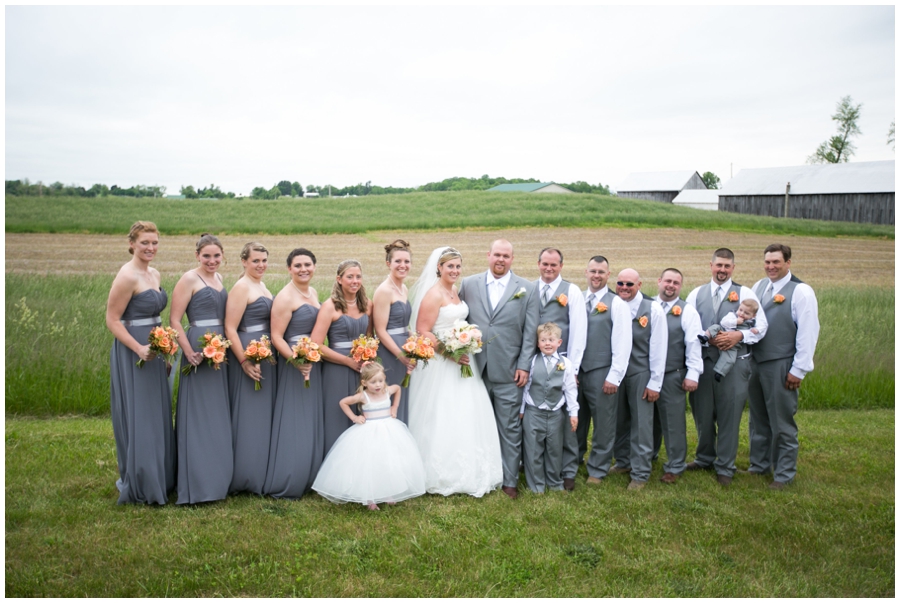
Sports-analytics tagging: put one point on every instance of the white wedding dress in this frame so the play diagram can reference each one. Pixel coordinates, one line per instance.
(452, 420)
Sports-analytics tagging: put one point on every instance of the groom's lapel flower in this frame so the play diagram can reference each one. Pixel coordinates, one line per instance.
(518, 294)
(778, 298)
(562, 299)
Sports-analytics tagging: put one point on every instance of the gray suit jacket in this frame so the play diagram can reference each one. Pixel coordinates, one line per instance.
(509, 332)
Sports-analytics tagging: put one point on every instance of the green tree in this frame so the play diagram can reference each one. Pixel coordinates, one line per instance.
(284, 188)
(710, 180)
(296, 189)
(259, 192)
(188, 192)
(839, 149)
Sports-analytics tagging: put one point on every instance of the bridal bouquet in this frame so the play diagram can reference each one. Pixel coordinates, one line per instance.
(257, 351)
(214, 346)
(305, 352)
(459, 340)
(364, 348)
(162, 341)
(417, 348)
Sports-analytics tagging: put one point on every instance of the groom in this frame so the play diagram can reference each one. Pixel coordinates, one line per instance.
(497, 301)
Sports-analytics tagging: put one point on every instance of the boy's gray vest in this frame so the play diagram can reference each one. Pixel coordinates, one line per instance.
(598, 352)
(675, 358)
(781, 336)
(554, 312)
(546, 387)
(709, 316)
(640, 340)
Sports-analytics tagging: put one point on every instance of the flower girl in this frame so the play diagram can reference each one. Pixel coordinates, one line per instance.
(376, 459)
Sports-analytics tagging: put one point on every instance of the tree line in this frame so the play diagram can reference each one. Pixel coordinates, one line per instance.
(58, 189)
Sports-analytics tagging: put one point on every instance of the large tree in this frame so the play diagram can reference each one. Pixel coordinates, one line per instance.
(839, 148)
(710, 180)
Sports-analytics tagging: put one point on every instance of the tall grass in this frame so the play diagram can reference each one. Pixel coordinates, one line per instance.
(57, 346)
(415, 211)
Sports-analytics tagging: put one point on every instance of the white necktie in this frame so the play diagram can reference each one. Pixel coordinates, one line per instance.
(496, 293)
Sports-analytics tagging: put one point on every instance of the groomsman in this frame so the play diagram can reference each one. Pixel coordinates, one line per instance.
(498, 303)
(559, 301)
(780, 362)
(643, 380)
(683, 368)
(717, 405)
(603, 367)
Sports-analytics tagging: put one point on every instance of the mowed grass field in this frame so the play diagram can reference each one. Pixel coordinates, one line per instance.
(830, 534)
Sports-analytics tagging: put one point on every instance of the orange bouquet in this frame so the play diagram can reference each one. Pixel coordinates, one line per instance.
(257, 351)
(305, 352)
(162, 341)
(213, 347)
(364, 348)
(417, 348)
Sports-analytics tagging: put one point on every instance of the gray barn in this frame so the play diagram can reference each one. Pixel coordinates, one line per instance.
(659, 186)
(843, 192)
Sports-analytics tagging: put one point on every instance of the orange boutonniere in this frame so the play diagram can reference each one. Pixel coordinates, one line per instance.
(778, 298)
(733, 296)
(643, 321)
(600, 308)
(676, 310)
(562, 299)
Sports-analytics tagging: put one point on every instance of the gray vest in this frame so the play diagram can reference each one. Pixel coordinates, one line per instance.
(598, 352)
(640, 340)
(675, 358)
(709, 316)
(781, 336)
(554, 312)
(545, 387)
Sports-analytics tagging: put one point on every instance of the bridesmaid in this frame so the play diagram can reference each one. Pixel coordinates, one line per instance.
(246, 318)
(140, 398)
(202, 417)
(390, 318)
(343, 317)
(298, 434)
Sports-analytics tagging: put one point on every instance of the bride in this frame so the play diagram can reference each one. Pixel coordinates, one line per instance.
(450, 416)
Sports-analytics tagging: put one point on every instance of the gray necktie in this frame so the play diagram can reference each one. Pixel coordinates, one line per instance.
(665, 306)
(590, 302)
(545, 297)
(717, 299)
(767, 296)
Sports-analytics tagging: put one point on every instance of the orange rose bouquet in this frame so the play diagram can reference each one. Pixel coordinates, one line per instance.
(258, 351)
(364, 348)
(162, 340)
(305, 352)
(213, 347)
(417, 348)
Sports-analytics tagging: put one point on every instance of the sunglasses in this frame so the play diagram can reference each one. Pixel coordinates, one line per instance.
(625, 284)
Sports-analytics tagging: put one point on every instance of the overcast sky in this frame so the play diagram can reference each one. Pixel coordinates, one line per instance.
(401, 96)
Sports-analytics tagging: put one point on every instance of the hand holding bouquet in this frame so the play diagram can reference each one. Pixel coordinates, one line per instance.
(162, 341)
(305, 352)
(417, 348)
(257, 351)
(459, 340)
(213, 347)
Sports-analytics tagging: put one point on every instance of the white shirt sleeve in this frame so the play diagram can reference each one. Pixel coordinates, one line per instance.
(570, 390)
(577, 327)
(526, 397)
(690, 324)
(761, 323)
(729, 321)
(659, 343)
(620, 340)
(805, 312)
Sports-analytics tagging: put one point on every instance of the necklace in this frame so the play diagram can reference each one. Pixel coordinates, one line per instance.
(307, 295)
(399, 290)
(353, 303)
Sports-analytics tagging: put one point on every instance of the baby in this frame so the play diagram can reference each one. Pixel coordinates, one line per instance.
(742, 320)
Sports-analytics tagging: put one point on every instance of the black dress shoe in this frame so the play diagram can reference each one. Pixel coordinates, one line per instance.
(569, 483)
(510, 492)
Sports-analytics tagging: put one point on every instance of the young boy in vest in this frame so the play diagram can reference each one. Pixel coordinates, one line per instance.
(742, 320)
(551, 385)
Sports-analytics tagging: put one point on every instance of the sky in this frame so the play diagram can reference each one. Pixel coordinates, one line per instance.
(242, 97)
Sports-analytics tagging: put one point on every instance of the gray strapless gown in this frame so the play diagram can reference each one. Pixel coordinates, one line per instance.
(339, 381)
(202, 417)
(393, 368)
(141, 409)
(298, 433)
(251, 411)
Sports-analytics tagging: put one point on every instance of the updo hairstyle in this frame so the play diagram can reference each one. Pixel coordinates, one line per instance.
(136, 229)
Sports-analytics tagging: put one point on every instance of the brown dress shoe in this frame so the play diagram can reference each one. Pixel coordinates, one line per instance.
(510, 492)
(693, 466)
(777, 486)
(616, 470)
(594, 480)
(636, 485)
(569, 483)
(723, 480)
(668, 478)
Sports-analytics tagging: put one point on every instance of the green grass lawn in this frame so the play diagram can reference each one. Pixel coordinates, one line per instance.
(829, 535)
(414, 211)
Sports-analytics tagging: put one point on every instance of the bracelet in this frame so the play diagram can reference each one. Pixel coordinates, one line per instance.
(243, 361)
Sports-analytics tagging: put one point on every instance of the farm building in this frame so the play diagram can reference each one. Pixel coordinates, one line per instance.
(659, 186)
(530, 187)
(698, 199)
(845, 192)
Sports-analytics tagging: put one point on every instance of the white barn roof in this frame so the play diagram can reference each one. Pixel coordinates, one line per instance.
(830, 178)
(698, 199)
(656, 181)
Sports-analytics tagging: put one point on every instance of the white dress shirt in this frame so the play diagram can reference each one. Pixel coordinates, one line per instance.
(805, 313)
(659, 340)
(496, 287)
(577, 319)
(690, 324)
(620, 338)
(570, 386)
(746, 293)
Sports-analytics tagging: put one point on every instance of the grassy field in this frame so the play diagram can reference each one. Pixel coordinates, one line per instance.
(829, 535)
(415, 211)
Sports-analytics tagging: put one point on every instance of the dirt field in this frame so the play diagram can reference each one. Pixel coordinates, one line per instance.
(822, 262)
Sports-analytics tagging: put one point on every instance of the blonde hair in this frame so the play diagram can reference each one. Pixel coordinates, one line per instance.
(549, 328)
(252, 246)
(391, 248)
(368, 371)
(751, 303)
(136, 229)
(448, 255)
(337, 294)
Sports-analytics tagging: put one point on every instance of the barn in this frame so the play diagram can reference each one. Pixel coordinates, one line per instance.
(530, 187)
(843, 192)
(698, 199)
(659, 186)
